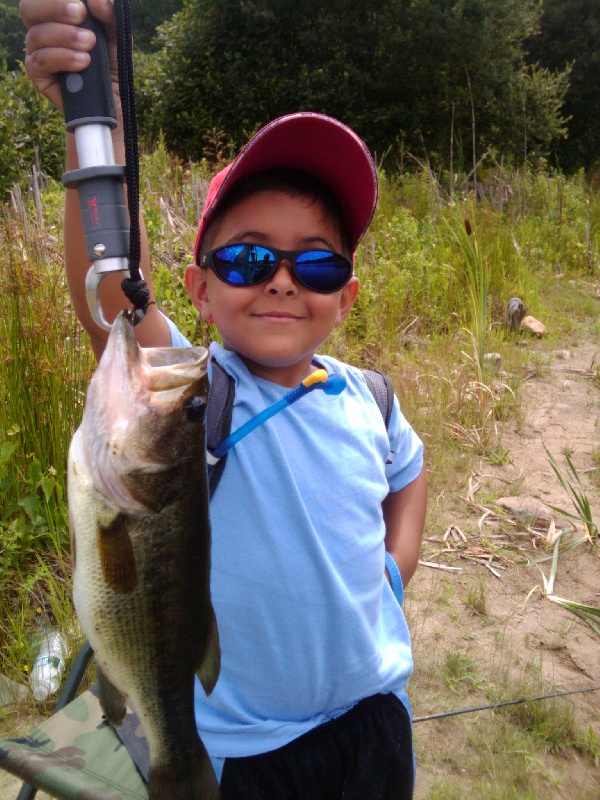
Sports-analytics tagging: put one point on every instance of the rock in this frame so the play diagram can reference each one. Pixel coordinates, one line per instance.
(11, 692)
(514, 313)
(531, 512)
(534, 326)
(493, 360)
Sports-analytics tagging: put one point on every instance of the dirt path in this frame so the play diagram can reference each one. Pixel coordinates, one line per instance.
(513, 644)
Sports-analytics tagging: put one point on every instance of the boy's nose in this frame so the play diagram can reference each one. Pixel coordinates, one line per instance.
(282, 282)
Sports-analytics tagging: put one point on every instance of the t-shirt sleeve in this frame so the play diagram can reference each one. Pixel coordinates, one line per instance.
(177, 338)
(407, 462)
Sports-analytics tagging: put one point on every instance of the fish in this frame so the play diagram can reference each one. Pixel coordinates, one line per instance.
(140, 542)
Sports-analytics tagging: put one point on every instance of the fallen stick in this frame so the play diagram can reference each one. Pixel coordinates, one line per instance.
(435, 565)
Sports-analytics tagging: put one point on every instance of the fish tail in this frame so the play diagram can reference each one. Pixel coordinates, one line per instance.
(192, 780)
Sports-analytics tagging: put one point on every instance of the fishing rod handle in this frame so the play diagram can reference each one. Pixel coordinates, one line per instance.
(89, 111)
(104, 215)
(87, 95)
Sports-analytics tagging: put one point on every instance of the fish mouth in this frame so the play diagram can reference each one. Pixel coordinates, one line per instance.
(164, 372)
(134, 393)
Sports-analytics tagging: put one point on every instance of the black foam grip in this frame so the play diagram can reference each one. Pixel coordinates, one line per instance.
(87, 96)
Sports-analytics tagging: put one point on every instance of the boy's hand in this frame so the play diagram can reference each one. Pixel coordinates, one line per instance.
(54, 44)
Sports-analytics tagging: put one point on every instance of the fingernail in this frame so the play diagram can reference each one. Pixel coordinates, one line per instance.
(84, 37)
(74, 11)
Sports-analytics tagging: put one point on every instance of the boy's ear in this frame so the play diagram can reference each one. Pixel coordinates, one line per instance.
(348, 297)
(195, 286)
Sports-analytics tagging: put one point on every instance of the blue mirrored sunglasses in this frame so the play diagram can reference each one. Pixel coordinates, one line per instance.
(249, 264)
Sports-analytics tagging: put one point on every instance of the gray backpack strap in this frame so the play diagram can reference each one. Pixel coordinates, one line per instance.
(382, 390)
(218, 418)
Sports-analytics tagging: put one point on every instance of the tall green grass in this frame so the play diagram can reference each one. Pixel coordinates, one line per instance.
(44, 368)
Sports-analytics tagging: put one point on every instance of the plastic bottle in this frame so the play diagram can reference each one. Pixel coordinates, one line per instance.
(49, 665)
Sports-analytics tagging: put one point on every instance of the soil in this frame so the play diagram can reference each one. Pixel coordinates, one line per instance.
(520, 642)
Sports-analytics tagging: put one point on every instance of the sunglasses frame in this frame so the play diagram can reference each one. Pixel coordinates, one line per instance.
(292, 256)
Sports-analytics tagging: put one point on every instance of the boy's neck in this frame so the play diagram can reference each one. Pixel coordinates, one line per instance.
(287, 375)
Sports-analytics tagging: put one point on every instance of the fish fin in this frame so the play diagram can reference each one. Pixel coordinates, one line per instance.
(111, 699)
(193, 779)
(208, 672)
(116, 555)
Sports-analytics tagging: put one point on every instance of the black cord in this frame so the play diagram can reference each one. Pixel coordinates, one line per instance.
(504, 703)
(134, 287)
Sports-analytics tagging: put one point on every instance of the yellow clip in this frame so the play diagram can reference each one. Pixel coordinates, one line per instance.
(318, 376)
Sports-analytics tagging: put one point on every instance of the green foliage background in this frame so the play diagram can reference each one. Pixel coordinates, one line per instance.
(146, 17)
(27, 121)
(570, 35)
(12, 34)
(393, 70)
(450, 83)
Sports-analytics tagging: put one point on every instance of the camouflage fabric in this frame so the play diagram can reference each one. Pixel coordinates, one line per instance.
(78, 755)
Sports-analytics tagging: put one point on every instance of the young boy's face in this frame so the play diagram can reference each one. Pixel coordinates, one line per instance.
(275, 326)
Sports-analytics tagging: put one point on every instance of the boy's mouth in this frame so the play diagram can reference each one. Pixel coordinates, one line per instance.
(278, 316)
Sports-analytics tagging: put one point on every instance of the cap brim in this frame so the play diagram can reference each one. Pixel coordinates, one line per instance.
(319, 145)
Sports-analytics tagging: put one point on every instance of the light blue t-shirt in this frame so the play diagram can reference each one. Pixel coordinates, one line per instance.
(308, 623)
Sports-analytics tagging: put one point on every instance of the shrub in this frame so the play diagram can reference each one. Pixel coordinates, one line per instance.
(27, 120)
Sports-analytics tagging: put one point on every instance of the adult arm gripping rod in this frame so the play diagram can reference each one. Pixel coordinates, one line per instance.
(90, 114)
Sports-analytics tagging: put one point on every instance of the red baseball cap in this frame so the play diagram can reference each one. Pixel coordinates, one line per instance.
(314, 143)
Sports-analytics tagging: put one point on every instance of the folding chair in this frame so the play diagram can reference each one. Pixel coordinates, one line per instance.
(78, 751)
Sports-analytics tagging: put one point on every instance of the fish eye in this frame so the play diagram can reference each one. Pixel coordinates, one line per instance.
(195, 408)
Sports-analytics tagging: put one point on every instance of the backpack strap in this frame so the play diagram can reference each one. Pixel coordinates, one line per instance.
(382, 390)
(218, 418)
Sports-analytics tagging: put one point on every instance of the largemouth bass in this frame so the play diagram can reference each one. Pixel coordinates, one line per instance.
(140, 537)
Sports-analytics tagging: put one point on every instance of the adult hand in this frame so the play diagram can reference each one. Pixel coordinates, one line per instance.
(54, 44)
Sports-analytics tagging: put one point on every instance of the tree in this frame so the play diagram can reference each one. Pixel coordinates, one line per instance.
(570, 35)
(389, 68)
(146, 17)
(467, 70)
(12, 34)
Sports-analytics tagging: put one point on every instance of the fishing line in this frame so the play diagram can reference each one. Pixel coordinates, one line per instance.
(134, 287)
(504, 703)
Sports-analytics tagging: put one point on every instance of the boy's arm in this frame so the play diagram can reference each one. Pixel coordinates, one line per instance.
(404, 516)
(53, 45)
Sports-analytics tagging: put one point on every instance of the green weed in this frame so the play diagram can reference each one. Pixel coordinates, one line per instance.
(477, 597)
(460, 670)
(576, 492)
(477, 274)
(551, 722)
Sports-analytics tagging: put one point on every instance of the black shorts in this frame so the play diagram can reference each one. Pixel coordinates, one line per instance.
(365, 754)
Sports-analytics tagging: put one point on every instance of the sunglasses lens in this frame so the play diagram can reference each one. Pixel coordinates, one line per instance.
(249, 264)
(322, 271)
(244, 264)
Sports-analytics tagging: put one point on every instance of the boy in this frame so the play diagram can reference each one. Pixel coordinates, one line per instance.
(311, 700)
